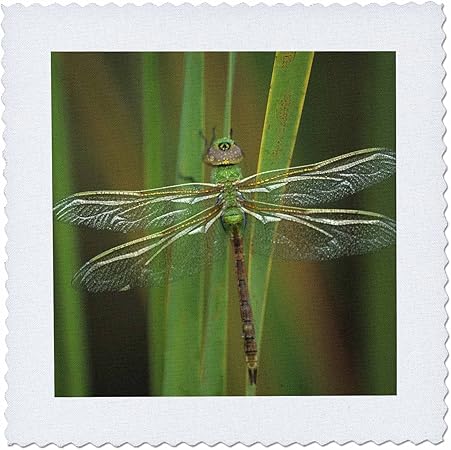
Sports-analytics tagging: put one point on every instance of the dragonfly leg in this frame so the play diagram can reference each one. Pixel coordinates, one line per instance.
(213, 136)
(203, 137)
(250, 341)
(186, 178)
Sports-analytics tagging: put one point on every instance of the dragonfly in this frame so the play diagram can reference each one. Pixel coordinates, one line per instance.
(188, 222)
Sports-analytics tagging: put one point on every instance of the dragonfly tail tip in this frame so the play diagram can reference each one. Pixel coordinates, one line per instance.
(252, 371)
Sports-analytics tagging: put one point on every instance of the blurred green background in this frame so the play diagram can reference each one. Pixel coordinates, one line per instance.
(330, 327)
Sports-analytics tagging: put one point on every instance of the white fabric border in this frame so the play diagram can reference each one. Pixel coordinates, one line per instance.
(415, 413)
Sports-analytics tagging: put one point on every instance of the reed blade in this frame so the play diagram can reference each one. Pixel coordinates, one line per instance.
(71, 343)
(185, 299)
(214, 347)
(289, 82)
(154, 177)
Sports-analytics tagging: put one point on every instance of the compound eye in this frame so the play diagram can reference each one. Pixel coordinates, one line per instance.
(224, 146)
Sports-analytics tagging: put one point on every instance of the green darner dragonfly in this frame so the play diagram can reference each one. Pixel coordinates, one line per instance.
(188, 220)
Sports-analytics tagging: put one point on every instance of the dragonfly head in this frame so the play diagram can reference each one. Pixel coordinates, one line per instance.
(223, 152)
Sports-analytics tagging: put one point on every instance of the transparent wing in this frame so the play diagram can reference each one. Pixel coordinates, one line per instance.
(127, 211)
(323, 182)
(316, 234)
(150, 260)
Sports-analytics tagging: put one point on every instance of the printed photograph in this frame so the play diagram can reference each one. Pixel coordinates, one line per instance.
(224, 223)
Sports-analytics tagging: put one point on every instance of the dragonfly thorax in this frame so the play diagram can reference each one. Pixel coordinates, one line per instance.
(223, 152)
(226, 174)
(232, 215)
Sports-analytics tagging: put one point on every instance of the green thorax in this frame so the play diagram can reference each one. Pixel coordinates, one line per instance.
(224, 156)
(226, 174)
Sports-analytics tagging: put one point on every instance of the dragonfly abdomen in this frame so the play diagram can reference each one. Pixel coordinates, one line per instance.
(247, 321)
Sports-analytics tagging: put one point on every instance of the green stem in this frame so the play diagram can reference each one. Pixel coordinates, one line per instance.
(229, 92)
(379, 305)
(290, 77)
(185, 301)
(71, 359)
(154, 177)
(251, 389)
(214, 348)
